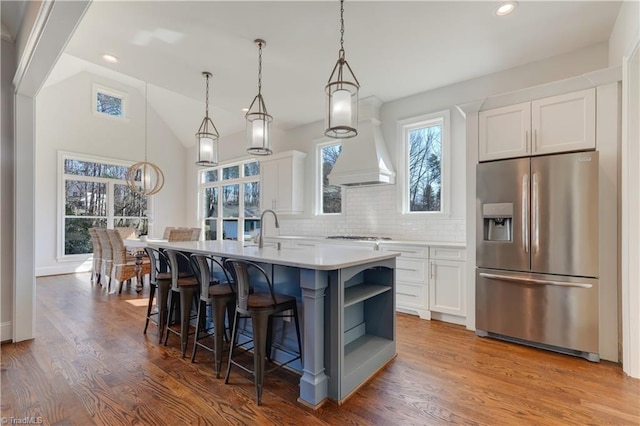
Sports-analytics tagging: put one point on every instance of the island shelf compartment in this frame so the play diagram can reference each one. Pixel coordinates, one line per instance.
(365, 318)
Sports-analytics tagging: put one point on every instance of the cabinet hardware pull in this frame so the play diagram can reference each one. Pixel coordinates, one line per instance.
(433, 271)
(526, 141)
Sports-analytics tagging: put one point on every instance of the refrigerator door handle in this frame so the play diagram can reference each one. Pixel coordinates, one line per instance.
(533, 280)
(525, 213)
(536, 214)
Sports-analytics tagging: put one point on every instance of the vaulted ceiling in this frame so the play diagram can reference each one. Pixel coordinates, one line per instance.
(396, 49)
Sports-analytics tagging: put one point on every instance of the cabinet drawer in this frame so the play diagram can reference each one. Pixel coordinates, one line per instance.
(445, 253)
(413, 295)
(407, 251)
(411, 269)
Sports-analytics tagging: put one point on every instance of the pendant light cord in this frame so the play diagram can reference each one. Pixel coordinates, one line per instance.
(206, 101)
(146, 108)
(341, 29)
(259, 68)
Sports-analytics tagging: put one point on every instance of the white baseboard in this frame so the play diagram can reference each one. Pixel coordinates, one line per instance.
(63, 268)
(6, 331)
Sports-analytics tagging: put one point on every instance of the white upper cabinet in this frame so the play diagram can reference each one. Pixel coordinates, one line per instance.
(504, 132)
(557, 124)
(282, 182)
(564, 123)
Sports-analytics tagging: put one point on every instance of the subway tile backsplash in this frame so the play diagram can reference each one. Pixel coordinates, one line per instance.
(373, 211)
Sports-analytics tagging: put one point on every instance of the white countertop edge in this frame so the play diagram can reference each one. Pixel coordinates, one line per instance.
(316, 258)
(452, 244)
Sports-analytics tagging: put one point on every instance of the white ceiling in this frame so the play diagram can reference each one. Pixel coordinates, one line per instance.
(396, 49)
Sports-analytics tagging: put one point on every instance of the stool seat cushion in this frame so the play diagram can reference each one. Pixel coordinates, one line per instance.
(188, 282)
(264, 300)
(163, 276)
(220, 290)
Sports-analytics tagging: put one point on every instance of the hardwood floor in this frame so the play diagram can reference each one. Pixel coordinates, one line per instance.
(91, 364)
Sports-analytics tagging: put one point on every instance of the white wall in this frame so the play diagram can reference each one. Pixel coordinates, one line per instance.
(65, 121)
(624, 31)
(6, 189)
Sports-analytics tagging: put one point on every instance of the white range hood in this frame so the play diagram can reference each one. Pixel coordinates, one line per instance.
(364, 159)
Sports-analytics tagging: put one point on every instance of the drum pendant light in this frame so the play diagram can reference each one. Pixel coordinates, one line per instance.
(145, 178)
(258, 125)
(207, 135)
(341, 120)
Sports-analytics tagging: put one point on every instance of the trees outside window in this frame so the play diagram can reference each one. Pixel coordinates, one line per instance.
(424, 169)
(230, 201)
(95, 195)
(331, 195)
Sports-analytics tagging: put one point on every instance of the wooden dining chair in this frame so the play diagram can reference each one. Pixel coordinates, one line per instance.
(180, 235)
(107, 255)
(96, 268)
(124, 265)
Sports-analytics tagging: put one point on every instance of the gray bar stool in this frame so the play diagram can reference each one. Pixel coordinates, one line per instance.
(185, 288)
(261, 307)
(162, 281)
(216, 290)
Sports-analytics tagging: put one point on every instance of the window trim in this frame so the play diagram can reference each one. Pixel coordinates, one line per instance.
(97, 88)
(403, 127)
(240, 181)
(319, 145)
(64, 155)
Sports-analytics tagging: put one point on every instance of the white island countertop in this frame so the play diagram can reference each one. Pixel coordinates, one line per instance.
(318, 258)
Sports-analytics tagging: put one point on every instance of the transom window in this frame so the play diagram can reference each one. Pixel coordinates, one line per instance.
(230, 201)
(108, 102)
(94, 193)
(330, 196)
(425, 163)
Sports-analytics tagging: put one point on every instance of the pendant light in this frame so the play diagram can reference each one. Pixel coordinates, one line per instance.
(258, 119)
(145, 178)
(341, 121)
(207, 135)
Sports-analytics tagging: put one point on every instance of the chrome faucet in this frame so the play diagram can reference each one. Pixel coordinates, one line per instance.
(262, 225)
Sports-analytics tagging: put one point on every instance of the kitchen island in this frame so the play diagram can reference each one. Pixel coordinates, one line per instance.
(347, 299)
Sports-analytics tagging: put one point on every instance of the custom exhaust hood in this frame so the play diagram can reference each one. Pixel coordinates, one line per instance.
(364, 159)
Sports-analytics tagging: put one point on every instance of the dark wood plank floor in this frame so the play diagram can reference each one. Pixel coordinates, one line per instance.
(91, 364)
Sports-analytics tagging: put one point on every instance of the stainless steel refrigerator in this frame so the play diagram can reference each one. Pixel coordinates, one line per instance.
(537, 252)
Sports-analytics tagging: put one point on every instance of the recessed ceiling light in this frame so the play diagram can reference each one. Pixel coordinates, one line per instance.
(110, 58)
(506, 8)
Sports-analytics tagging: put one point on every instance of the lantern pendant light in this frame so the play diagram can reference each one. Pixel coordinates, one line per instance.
(341, 121)
(258, 126)
(145, 178)
(207, 135)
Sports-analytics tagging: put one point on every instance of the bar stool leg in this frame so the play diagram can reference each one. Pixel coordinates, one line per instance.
(234, 336)
(152, 293)
(164, 287)
(186, 298)
(219, 309)
(297, 321)
(170, 313)
(260, 324)
(202, 308)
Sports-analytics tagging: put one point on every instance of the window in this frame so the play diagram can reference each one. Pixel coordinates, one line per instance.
(330, 197)
(424, 165)
(108, 102)
(230, 201)
(94, 194)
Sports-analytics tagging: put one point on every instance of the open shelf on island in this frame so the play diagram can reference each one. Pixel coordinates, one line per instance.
(358, 293)
(362, 349)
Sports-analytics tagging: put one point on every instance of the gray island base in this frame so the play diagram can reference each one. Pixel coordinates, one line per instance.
(347, 299)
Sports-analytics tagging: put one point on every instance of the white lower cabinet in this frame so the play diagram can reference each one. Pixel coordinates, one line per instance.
(447, 284)
(412, 292)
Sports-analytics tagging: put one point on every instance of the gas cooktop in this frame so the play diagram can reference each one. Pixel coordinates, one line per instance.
(357, 237)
